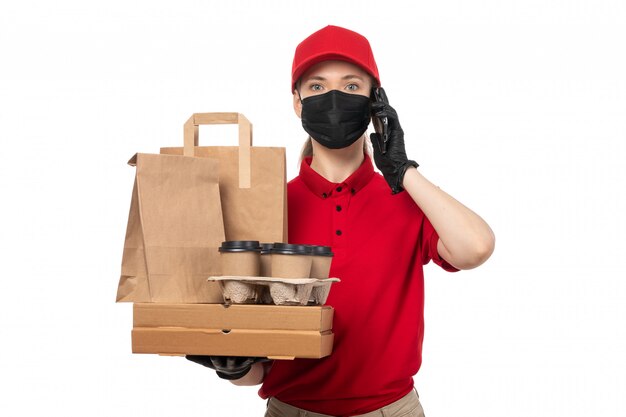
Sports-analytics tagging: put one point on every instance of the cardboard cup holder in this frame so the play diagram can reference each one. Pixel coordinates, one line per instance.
(272, 290)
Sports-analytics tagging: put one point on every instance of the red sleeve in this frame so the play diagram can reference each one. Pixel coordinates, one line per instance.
(430, 238)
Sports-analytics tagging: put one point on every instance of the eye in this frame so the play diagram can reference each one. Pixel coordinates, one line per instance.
(316, 87)
(352, 87)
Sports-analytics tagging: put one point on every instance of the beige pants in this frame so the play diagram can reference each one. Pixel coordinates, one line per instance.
(407, 406)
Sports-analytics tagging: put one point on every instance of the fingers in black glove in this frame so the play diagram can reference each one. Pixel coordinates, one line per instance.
(227, 367)
(392, 163)
(382, 109)
(201, 359)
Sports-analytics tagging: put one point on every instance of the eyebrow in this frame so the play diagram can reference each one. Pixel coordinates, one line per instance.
(345, 77)
(350, 76)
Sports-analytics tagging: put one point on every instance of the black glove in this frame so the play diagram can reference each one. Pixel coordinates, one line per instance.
(227, 367)
(392, 161)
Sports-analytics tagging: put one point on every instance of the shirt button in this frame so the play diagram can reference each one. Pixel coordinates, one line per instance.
(338, 232)
(353, 191)
(339, 189)
(324, 195)
(338, 208)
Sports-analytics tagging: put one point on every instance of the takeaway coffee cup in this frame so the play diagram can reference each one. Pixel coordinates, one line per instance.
(240, 257)
(266, 259)
(266, 271)
(322, 257)
(290, 261)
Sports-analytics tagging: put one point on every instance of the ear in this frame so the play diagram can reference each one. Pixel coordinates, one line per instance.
(297, 104)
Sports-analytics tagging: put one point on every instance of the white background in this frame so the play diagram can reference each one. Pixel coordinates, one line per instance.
(516, 108)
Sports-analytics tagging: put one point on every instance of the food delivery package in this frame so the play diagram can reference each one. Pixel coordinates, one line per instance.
(252, 179)
(188, 200)
(276, 332)
(174, 229)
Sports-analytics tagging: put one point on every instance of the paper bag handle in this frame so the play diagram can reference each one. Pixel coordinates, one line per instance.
(245, 138)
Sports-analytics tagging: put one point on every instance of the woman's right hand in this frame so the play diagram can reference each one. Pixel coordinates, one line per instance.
(227, 367)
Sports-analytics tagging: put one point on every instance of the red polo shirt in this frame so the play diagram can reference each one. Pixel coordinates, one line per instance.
(380, 242)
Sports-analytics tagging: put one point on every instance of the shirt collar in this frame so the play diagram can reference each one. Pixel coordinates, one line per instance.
(323, 188)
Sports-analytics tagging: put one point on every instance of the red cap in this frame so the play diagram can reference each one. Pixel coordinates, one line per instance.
(333, 43)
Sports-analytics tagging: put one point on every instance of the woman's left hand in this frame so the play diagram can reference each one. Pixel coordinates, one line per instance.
(394, 162)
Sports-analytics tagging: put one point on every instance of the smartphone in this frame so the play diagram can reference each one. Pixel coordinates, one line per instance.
(381, 124)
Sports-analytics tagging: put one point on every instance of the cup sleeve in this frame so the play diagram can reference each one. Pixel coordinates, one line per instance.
(430, 238)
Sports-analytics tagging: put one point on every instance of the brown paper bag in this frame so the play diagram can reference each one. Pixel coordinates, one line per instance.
(252, 179)
(174, 231)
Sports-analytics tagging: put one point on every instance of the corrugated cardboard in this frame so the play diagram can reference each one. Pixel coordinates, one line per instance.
(277, 332)
(280, 344)
(234, 316)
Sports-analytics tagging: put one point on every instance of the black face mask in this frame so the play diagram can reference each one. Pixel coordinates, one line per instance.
(336, 119)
